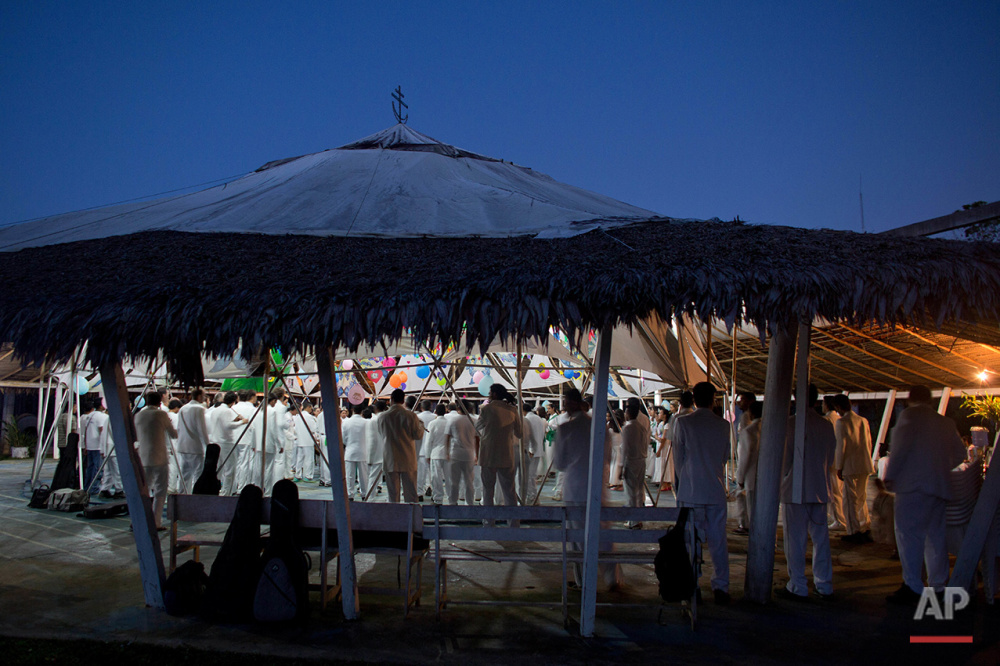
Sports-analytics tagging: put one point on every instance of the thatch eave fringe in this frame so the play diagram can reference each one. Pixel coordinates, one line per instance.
(355, 292)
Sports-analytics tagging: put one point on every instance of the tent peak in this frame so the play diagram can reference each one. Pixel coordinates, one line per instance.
(404, 137)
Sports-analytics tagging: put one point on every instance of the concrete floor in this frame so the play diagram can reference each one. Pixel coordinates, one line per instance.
(66, 577)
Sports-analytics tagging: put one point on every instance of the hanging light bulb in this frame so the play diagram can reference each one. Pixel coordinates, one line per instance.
(982, 376)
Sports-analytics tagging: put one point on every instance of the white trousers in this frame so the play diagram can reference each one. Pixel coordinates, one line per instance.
(157, 478)
(111, 478)
(836, 503)
(531, 482)
(356, 475)
(635, 470)
(856, 503)
(423, 472)
(710, 521)
(921, 540)
(244, 453)
(191, 465)
(461, 472)
(324, 471)
(374, 479)
(439, 472)
(802, 521)
(173, 465)
(305, 461)
(227, 473)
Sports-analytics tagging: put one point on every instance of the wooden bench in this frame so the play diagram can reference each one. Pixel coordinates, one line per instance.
(549, 524)
(214, 510)
(392, 529)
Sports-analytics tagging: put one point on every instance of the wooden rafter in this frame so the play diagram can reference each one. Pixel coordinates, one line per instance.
(900, 351)
(975, 363)
(864, 351)
(818, 345)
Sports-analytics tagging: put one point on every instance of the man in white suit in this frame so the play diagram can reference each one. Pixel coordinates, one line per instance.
(375, 442)
(227, 424)
(701, 449)
(836, 503)
(354, 430)
(854, 466)
(249, 447)
(805, 515)
(925, 447)
(747, 453)
(192, 438)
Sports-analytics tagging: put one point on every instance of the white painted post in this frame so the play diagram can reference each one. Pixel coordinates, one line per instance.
(777, 394)
(801, 400)
(943, 404)
(595, 486)
(140, 507)
(522, 459)
(325, 364)
(883, 427)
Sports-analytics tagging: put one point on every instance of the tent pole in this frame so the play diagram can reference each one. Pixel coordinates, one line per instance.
(777, 395)
(263, 435)
(325, 363)
(520, 418)
(883, 427)
(595, 486)
(81, 452)
(140, 507)
(708, 349)
(801, 407)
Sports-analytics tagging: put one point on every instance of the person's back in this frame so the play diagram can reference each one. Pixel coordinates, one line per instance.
(498, 428)
(854, 445)
(354, 430)
(462, 446)
(701, 449)
(925, 448)
(818, 451)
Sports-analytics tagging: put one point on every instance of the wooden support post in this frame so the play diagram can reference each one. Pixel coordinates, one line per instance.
(595, 485)
(325, 364)
(140, 507)
(764, 528)
(943, 404)
(523, 464)
(801, 406)
(883, 427)
(975, 534)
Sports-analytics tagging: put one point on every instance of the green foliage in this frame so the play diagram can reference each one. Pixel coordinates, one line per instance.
(18, 438)
(986, 407)
(982, 231)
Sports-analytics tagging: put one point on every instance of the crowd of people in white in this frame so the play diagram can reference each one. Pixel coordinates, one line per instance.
(471, 453)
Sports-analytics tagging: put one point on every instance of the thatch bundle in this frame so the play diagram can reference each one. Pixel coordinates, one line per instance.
(184, 293)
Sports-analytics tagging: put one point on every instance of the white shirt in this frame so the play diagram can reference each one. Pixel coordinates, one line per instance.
(924, 448)
(375, 441)
(355, 432)
(748, 452)
(701, 449)
(247, 411)
(152, 427)
(305, 430)
(536, 433)
(462, 434)
(92, 428)
(817, 456)
(423, 444)
(437, 437)
(572, 456)
(225, 426)
(277, 428)
(192, 431)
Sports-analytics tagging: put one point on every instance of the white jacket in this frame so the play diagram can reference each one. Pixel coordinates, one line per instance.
(748, 451)
(854, 445)
(192, 431)
(701, 449)
(355, 432)
(818, 453)
(924, 448)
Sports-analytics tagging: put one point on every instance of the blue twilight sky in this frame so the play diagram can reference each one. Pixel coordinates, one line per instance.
(767, 110)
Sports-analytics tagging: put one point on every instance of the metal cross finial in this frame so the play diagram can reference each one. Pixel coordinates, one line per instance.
(397, 96)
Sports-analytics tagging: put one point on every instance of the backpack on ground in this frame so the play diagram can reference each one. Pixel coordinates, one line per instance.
(185, 588)
(105, 510)
(283, 589)
(672, 563)
(39, 497)
(68, 500)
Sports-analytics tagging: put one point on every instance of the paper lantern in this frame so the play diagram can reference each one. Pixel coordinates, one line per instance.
(423, 372)
(484, 386)
(356, 395)
(82, 385)
(478, 377)
(348, 364)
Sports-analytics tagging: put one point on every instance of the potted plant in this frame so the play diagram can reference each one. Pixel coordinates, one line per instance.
(987, 408)
(20, 442)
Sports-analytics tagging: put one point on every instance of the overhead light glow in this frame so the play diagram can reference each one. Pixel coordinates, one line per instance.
(982, 376)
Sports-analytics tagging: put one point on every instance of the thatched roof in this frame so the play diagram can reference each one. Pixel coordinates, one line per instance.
(185, 292)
